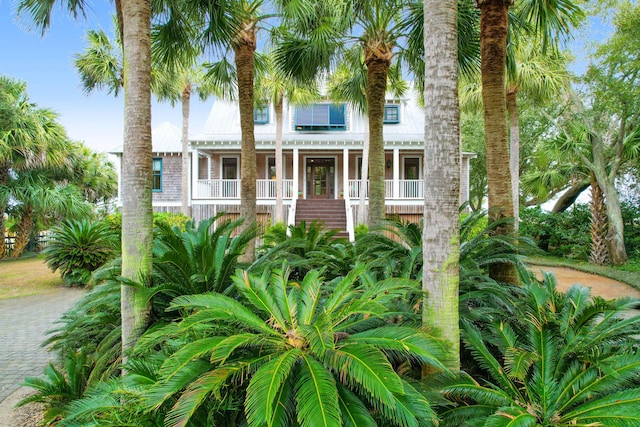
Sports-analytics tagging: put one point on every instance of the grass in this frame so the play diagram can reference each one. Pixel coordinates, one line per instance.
(631, 278)
(27, 276)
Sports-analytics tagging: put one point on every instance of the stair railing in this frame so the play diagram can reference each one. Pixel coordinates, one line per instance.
(291, 217)
(350, 226)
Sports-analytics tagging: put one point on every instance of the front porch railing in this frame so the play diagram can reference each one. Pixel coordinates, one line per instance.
(230, 189)
(219, 188)
(407, 189)
(266, 188)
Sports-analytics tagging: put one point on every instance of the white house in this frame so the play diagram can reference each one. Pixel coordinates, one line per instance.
(322, 158)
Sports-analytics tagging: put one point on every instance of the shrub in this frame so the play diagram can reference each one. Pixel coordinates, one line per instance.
(552, 359)
(77, 248)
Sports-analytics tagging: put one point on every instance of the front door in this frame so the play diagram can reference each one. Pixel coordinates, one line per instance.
(320, 178)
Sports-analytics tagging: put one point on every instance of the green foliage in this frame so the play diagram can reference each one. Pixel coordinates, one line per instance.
(171, 220)
(77, 248)
(58, 388)
(167, 218)
(308, 353)
(565, 234)
(361, 229)
(195, 260)
(552, 359)
(307, 247)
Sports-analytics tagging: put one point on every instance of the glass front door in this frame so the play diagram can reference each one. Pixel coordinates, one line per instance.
(320, 178)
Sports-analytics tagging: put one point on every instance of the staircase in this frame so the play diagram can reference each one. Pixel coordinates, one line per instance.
(331, 213)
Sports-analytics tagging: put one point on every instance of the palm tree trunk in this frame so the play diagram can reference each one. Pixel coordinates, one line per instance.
(441, 234)
(4, 179)
(244, 52)
(137, 216)
(606, 181)
(23, 234)
(514, 152)
(377, 72)
(493, 44)
(599, 251)
(278, 214)
(186, 107)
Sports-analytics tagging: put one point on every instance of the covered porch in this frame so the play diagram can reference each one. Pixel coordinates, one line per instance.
(308, 173)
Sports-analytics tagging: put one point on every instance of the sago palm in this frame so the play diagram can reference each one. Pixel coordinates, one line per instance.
(198, 260)
(558, 360)
(305, 353)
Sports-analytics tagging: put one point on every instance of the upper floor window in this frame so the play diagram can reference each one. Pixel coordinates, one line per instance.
(261, 115)
(321, 117)
(391, 114)
(157, 174)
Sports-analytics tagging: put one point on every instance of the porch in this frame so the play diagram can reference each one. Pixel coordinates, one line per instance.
(229, 189)
(307, 174)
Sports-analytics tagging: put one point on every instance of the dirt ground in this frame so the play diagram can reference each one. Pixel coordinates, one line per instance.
(30, 415)
(601, 286)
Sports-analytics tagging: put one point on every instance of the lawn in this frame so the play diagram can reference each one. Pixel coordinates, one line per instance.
(27, 276)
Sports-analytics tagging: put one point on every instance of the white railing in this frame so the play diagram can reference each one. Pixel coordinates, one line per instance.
(407, 189)
(266, 189)
(218, 188)
(230, 189)
(388, 189)
(354, 188)
(411, 189)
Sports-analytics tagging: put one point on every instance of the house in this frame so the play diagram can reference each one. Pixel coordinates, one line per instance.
(322, 159)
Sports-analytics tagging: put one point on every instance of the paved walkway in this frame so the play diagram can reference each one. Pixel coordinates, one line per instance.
(23, 325)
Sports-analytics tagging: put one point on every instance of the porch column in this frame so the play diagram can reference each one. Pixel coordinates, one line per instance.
(396, 173)
(195, 172)
(345, 173)
(296, 173)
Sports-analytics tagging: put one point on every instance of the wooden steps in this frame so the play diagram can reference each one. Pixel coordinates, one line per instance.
(331, 213)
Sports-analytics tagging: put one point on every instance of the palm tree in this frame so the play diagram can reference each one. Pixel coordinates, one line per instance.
(374, 27)
(177, 84)
(273, 87)
(441, 234)
(541, 75)
(547, 19)
(38, 197)
(348, 83)
(31, 138)
(308, 353)
(134, 24)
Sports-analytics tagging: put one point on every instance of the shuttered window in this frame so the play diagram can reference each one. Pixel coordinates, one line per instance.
(320, 117)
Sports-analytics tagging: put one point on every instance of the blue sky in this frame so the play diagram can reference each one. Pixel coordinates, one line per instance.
(46, 64)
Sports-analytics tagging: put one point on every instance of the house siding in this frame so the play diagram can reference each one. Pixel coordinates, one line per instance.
(171, 182)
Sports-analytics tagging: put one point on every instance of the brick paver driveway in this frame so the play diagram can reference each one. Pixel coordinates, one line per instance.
(23, 325)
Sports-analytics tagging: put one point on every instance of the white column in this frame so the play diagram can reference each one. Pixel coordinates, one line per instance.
(195, 172)
(296, 173)
(396, 173)
(345, 173)
(209, 168)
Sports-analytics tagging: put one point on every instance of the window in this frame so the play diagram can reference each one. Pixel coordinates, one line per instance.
(321, 117)
(412, 168)
(157, 174)
(271, 168)
(261, 115)
(391, 114)
(229, 168)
